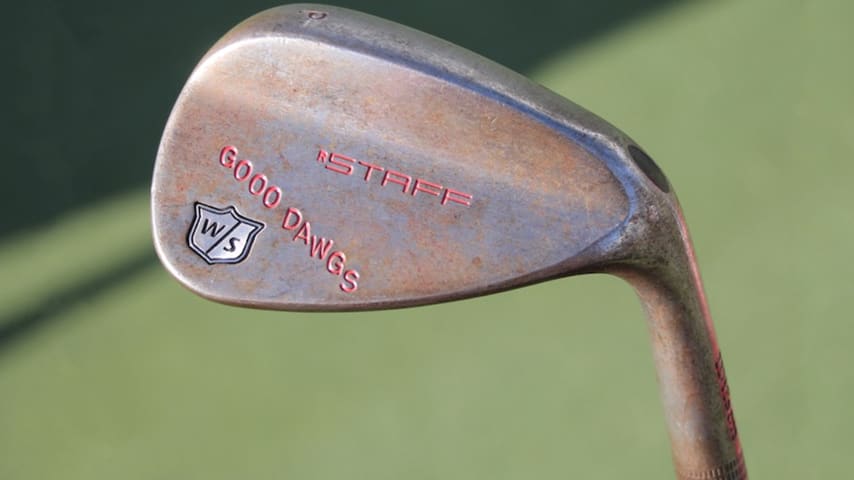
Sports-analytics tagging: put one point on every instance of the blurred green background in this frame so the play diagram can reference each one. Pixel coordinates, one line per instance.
(109, 369)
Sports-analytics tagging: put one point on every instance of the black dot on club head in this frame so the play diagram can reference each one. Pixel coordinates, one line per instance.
(649, 168)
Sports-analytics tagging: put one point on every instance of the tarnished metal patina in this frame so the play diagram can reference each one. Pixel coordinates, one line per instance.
(322, 159)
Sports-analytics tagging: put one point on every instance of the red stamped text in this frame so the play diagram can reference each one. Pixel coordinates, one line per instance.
(383, 176)
(293, 221)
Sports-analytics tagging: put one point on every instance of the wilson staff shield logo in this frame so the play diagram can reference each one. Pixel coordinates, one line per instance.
(222, 235)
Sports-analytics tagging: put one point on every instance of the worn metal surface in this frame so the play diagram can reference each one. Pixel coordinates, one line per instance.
(388, 168)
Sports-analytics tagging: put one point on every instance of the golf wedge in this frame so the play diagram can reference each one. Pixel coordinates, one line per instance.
(324, 159)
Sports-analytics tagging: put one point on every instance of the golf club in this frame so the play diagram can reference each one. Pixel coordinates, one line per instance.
(327, 160)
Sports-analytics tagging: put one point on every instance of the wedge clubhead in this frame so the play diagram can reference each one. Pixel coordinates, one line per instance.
(323, 159)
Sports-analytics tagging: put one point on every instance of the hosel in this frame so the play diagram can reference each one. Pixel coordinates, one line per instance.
(692, 381)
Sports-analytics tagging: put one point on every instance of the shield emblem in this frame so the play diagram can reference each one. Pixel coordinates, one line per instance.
(222, 235)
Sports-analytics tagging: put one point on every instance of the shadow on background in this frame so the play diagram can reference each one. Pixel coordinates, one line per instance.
(26, 322)
(93, 82)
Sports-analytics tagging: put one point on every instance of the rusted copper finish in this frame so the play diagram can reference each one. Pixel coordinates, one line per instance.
(369, 166)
